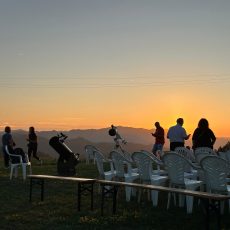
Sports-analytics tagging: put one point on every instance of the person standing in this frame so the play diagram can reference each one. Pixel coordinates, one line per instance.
(159, 138)
(7, 140)
(203, 136)
(33, 144)
(177, 135)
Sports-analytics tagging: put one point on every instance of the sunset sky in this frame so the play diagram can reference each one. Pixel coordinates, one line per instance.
(77, 64)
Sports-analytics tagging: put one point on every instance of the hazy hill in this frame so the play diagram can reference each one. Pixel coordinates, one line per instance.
(134, 135)
(137, 139)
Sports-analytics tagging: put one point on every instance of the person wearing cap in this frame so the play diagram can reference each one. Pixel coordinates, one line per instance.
(177, 135)
(159, 139)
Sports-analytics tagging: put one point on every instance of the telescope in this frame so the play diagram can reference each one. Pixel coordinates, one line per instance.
(67, 160)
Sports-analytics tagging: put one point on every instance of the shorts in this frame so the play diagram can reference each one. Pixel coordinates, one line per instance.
(157, 147)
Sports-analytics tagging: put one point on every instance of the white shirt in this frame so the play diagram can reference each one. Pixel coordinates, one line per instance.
(177, 134)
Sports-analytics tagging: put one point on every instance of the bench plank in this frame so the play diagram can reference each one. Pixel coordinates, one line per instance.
(200, 194)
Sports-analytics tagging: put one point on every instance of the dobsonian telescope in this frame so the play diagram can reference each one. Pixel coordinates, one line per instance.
(67, 160)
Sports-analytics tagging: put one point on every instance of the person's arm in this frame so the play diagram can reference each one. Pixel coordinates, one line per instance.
(186, 137)
(168, 134)
(213, 137)
(154, 134)
(11, 142)
(194, 139)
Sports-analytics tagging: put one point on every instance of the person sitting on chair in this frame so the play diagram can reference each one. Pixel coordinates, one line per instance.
(7, 140)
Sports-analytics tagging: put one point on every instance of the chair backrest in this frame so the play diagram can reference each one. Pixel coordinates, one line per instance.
(144, 164)
(201, 152)
(99, 158)
(155, 159)
(176, 166)
(187, 153)
(127, 155)
(225, 155)
(14, 159)
(216, 171)
(119, 162)
(204, 149)
(89, 152)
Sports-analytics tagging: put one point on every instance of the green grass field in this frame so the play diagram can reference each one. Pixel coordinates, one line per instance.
(59, 210)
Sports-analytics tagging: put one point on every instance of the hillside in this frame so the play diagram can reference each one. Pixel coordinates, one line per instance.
(137, 139)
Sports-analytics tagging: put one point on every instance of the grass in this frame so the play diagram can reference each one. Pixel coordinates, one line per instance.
(59, 209)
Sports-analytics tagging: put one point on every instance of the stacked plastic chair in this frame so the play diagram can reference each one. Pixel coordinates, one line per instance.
(144, 162)
(176, 166)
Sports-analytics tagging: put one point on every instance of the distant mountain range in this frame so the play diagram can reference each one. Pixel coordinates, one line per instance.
(137, 139)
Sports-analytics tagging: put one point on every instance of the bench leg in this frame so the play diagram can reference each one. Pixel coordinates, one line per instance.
(40, 182)
(79, 197)
(105, 190)
(91, 197)
(85, 188)
(211, 206)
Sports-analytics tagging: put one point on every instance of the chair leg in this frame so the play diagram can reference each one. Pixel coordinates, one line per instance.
(31, 169)
(11, 172)
(222, 207)
(154, 195)
(128, 189)
(189, 203)
(169, 198)
(128, 192)
(24, 171)
(181, 200)
(139, 195)
(16, 171)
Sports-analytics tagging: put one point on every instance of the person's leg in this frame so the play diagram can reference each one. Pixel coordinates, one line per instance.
(35, 152)
(159, 150)
(29, 153)
(172, 146)
(6, 159)
(154, 149)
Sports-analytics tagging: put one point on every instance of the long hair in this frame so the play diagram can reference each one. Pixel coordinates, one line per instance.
(203, 124)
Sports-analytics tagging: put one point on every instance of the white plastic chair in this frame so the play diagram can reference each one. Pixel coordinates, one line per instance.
(187, 153)
(216, 172)
(225, 155)
(120, 163)
(14, 166)
(159, 163)
(100, 160)
(144, 163)
(201, 152)
(176, 165)
(89, 155)
(190, 172)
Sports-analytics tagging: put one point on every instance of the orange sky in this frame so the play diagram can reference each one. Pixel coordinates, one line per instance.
(89, 64)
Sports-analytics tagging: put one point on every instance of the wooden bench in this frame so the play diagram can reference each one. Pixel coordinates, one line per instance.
(85, 185)
(210, 201)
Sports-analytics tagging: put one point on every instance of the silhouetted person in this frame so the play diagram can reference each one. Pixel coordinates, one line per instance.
(159, 138)
(33, 144)
(7, 140)
(203, 136)
(177, 135)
